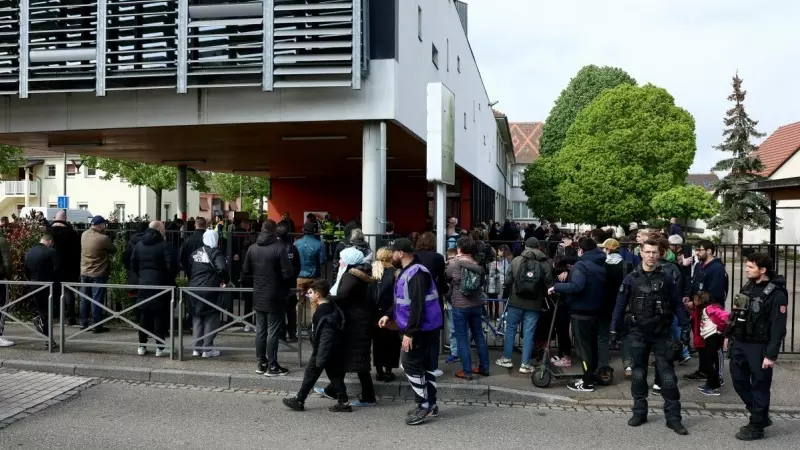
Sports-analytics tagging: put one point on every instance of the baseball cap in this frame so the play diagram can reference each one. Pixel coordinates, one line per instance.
(532, 243)
(402, 245)
(97, 220)
(610, 244)
(675, 240)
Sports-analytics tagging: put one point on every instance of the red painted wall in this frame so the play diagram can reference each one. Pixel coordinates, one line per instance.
(406, 199)
(466, 202)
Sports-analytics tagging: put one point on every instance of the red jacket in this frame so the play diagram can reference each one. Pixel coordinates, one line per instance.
(697, 340)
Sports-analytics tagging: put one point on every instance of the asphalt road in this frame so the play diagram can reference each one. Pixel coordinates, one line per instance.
(123, 416)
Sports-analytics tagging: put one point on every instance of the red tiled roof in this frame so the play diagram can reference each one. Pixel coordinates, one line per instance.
(779, 147)
(525, 136)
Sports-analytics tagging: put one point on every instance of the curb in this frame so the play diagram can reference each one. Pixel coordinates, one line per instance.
(462, 392)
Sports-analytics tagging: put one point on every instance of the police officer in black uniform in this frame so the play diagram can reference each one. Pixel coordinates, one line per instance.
(649, 299)
(757, 326)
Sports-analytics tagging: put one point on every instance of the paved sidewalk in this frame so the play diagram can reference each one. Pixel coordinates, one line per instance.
(236, 370)
(23, 393)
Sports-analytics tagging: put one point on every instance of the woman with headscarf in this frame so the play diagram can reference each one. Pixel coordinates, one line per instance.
(351, 294)
(207, 269)
(386, 345)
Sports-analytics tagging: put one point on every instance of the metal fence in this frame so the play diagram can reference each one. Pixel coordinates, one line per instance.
(46, 332)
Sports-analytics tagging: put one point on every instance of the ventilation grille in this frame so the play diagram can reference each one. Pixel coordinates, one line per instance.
(141, 44)
(62, 40)
(313, 43)
(9, 47)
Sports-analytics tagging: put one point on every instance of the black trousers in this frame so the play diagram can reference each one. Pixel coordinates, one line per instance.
(750, 381)
(156, 321)
(290, 326)
(586, 330)
(386, 349)
(336, 389)
(562, 331)
(711, 359)
(367, 387)
(417, 364)
(641, 346)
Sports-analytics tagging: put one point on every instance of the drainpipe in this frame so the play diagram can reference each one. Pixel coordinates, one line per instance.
(39, 189)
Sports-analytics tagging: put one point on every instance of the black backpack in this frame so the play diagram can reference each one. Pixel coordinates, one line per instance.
(529, 282)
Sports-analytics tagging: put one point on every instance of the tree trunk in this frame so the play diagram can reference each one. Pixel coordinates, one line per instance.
(260, 207)
(159, 193)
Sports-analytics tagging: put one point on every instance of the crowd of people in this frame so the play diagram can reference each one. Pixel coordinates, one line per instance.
(646, 293)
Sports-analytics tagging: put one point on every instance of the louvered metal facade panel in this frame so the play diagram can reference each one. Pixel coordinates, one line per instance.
(106, 45)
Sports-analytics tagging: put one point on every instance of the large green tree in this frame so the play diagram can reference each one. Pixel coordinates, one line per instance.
(582, 89)
(539, 184)
(684, 202)
(229, 187)
(740, 209)
(157, 178)
(628, 145)
(10, 160)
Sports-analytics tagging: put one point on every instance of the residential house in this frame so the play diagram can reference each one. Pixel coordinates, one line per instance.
(525, 137)
(45, 174)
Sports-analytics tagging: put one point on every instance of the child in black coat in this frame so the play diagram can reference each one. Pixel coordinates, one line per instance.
(327, 326)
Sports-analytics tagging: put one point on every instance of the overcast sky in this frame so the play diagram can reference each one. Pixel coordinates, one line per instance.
(528, 50)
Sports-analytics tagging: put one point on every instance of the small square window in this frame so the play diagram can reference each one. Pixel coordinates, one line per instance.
(51, 171)
(435, 55)
(83, 206)
(91, 172)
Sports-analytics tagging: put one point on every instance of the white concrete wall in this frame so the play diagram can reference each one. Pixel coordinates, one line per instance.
(99, 196)
(476, 144)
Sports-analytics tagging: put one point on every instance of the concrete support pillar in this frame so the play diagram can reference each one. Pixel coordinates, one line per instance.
(27, 187)
(440, 223)
(373, 185)
(181, 193)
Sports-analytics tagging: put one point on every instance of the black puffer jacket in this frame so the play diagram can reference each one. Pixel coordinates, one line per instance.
(192, 243)
(207, 268)
(329, 323)
(67, 245)
(133, 278)
(359, 310)
(267, 264)
(152, 263)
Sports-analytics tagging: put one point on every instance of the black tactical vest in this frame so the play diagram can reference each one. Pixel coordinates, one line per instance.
(649, 308)
(756, 323)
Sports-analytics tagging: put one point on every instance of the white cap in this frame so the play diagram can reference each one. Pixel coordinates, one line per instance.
(633, 226)
(675, 240)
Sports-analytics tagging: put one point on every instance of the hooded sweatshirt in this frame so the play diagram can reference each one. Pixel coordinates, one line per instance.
(532, 304)
(586, 286)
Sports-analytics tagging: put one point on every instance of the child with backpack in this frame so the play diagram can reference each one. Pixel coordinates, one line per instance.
(709, 320)
(326, 344)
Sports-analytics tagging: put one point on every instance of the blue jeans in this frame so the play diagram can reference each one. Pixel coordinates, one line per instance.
(528, 318)
(676, 336)
(466, 321)
(98, 294)
(452, 329)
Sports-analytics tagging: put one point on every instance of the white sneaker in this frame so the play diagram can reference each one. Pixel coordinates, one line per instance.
(437, 373)
(525, 368)
(504, 362)
(161, 352)
(211, 353)
(5, 342)
(142, 350)
(196, 354)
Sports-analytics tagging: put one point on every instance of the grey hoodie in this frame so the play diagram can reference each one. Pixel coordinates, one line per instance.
(533, 304)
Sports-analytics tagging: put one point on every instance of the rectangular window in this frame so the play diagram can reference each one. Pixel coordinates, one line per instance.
(521, 211)
(119, 211)
(91, 172)
(435, 56)
(83, 206)
(52, 205)
(71, 170)
(447, 55)
(515, 179)
(419, 23)
(51, 171)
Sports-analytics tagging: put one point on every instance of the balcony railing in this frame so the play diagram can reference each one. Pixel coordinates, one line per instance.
(17, 188)
(49, 46)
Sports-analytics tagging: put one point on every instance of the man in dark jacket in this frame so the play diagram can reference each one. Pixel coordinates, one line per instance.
(192, 243)
(529, 278)
(585, 289)
(153, 263)
(267, 262)
(290, 325)
(42, 264)
(709, 274)
(67, 245)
